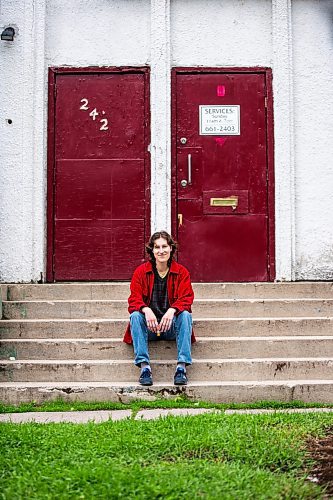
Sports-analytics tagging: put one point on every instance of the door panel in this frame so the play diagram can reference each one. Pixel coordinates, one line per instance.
(116, 187)
(100, 176)
(228, 245)
(223, 223)
(99, 251)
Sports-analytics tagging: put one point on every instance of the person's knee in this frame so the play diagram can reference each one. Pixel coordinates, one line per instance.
(184, 322)
(136, 315)
(185, 316)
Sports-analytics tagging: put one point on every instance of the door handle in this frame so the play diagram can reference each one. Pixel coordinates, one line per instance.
(180, 220)
(189, 169)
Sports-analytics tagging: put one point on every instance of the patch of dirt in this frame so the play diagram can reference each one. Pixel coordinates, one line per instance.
(321, 450)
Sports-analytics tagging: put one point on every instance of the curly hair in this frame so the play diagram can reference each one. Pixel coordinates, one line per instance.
(166, 236)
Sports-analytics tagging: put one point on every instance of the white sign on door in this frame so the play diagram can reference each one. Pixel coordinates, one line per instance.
(219, 120)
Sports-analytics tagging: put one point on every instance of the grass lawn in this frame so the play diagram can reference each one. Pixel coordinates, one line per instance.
(212, 456)
(180, 401)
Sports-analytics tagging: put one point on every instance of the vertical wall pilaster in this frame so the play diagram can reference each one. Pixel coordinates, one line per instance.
(284, 140)
(160, 116)
(34, 132)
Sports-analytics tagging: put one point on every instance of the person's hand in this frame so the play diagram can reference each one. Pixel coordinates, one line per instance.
(166, 321)
(150, 319)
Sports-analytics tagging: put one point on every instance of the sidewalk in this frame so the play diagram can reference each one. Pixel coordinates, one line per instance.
(83, 417)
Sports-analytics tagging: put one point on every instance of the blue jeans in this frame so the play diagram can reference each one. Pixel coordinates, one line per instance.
(181, 330)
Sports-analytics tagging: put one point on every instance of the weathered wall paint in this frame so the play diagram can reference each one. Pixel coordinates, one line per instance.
(22, 147)
(284, 158)
(214, 33)
(313, 98)
(160, 100)
(98, 32)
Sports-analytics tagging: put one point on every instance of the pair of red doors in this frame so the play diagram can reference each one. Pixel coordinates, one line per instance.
(99, 174)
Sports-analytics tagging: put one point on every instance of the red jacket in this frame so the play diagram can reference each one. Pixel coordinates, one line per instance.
(180, 292)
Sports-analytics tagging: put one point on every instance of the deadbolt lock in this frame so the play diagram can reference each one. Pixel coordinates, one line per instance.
(183, 140)
(183, 183)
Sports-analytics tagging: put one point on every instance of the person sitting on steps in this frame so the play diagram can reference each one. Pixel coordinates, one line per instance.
(160, 307)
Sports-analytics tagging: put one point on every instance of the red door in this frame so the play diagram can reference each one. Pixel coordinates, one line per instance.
(99, 208)
(222, 181)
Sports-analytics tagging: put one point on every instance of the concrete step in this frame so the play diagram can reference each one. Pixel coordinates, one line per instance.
(108, 291)
(308, 391)
(204, 327)
(63, 328)
(75, 309)
(204, 370)
(256, 341)
(115, 349)
(113, 309)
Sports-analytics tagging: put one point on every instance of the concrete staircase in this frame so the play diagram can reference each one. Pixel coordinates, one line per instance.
(256, 341)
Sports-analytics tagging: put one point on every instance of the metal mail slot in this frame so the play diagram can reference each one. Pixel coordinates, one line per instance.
(231, 201)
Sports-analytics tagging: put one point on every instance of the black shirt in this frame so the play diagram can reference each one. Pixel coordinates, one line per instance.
(159, 303)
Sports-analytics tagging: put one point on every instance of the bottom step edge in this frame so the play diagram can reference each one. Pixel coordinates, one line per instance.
(289, 382)
(308, 391)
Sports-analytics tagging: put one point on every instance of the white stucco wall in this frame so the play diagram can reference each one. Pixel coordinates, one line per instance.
(22, 150)
(100, 32)
(293, 37)
(215, 33)
(313, 98)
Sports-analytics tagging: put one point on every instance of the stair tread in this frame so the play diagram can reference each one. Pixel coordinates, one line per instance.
(199, 338)
(164, 361)
(205, 300)
(289, 382)
(197, 318)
